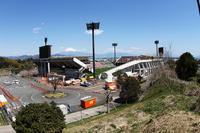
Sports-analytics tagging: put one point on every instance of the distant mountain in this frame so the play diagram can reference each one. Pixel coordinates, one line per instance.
(22, 57)
(107, 55)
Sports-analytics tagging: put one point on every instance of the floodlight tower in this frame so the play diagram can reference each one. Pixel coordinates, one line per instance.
(93, 26)
(114, 45)
(156, 42)
(45, 40)
(198, 3)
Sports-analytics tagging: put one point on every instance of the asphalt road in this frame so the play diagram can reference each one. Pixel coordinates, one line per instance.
(31, 95)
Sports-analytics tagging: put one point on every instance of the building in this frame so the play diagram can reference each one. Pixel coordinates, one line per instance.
(69, 66)
(65, 66)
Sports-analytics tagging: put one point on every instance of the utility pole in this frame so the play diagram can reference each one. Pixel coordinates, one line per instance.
(108, 96)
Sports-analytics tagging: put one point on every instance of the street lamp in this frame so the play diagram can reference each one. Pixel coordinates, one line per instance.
(114, 45)
(92, 26)
(156, 42)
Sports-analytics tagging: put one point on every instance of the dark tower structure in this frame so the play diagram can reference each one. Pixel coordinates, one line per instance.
(45, 51)
(156, 42)
(114, 45)
(44, 54)
(161, 51)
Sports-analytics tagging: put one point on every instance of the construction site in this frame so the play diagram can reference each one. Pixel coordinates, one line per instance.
(68, 81)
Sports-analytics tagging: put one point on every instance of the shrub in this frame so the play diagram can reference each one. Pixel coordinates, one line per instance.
(171, 64)
(130, 89)
(39, 118)
(186, 66)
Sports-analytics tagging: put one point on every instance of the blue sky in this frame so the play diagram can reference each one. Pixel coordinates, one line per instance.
(133, 24)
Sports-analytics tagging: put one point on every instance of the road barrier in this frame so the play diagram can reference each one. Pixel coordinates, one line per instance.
(9, 95)
(39, 88)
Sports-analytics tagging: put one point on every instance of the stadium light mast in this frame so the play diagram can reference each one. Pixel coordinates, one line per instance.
(198, 6)
(45, 41)
(114, 45)
(93, 26)
(156, 42)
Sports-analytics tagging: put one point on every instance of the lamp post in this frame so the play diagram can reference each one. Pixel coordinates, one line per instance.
(92, 26)
(156, 42)
(114, 45)
(198, 3)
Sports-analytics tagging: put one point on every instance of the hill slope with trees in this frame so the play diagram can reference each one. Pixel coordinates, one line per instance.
(15, 66)
(169, 105)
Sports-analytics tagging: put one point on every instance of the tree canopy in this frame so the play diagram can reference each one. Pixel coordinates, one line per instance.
(186, 66)
(16, 65)
(130, 89)
(39, 118)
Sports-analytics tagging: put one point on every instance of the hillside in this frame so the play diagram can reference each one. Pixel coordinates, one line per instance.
(166, 107)
(8, 65)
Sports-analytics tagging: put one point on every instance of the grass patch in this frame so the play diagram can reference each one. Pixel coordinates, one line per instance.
(55, 95)
(154, 106)
(162, 98)
(183, 102)
(99, 71)
(2, 122)
(113, 111)
(165, 102)
(163, 87)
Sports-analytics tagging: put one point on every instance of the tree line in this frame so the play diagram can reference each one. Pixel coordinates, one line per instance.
(18, 65)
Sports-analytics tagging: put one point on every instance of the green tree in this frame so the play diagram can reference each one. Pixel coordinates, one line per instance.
(39, 118)
(121, 77)
(186, 66)
(130, 90)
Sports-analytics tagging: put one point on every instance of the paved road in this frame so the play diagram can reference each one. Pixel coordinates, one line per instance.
(31, 95)
(7, 129)
(69, 118)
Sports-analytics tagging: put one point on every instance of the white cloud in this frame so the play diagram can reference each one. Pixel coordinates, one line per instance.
(70, 50)
(96, 32)
(36, 30)
(75, 50)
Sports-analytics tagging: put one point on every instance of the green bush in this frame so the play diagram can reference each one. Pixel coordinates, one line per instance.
(130, 89)
(39, 118)
(186, 66)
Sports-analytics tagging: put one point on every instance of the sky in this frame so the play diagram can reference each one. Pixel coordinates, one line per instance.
(133, 24)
